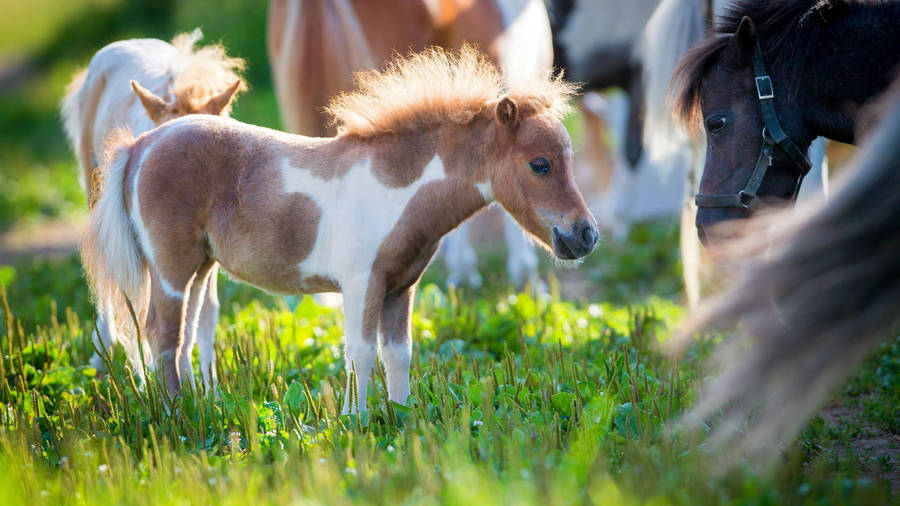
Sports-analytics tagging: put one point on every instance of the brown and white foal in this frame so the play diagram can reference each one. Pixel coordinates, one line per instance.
(421, 147)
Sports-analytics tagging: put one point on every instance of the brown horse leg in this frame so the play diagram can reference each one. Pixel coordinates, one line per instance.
(172, 275)
(165, 328)
(396, 344)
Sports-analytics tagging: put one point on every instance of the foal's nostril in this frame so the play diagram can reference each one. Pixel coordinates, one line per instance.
(586, 234)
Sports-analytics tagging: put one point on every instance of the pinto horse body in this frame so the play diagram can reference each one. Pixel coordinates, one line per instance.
(421, 148)
(821, 60)
(315, 46)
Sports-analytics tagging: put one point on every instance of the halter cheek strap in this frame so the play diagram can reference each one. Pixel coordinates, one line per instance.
(772, 135)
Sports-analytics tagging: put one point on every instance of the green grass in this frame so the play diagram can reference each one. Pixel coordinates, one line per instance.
(517, 398)
(532, 400)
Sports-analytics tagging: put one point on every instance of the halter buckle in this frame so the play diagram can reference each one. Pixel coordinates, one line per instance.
(764, 88)
(748, 200)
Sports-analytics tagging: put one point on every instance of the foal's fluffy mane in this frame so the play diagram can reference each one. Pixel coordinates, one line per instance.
(434, 86)
(786, 29)
(205, 71)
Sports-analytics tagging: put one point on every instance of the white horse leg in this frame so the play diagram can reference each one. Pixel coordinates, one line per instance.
(396, 344)
(104, 336)
(690, 254)
(360, 347)
(460, 259)
(206, 330)
(195, 303)
(816, 181)
(521, 260)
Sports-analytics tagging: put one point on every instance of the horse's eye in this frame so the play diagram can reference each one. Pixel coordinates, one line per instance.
(716, 124)
(540, 165)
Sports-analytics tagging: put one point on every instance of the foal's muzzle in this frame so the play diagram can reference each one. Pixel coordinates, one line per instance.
(577, 242)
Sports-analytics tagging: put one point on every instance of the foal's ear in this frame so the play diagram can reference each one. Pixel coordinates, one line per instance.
(152, 103)
(745, 36)
(218, 103)
(508, 113)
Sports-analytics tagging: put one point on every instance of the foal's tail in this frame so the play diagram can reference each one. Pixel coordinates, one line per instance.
(110, 253)
(676, 25)
(825, 294)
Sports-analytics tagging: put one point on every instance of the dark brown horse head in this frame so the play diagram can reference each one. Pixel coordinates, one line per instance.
(738, 165)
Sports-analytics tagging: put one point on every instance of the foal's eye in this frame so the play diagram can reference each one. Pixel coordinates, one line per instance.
(540, 165)
(716, 124)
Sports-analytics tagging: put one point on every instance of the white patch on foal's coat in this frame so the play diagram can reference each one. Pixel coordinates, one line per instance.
(486, 191)
(141, 230)
(357, 213)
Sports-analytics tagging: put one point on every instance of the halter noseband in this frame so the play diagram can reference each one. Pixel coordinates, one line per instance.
(772, 135)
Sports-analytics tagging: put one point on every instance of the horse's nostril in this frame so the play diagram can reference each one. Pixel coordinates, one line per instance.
(588, 236)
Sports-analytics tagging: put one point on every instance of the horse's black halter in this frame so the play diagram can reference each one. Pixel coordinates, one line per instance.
(772, 135)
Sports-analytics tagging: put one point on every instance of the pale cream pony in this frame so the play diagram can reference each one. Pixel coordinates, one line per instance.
(136, 85)
(420, 148)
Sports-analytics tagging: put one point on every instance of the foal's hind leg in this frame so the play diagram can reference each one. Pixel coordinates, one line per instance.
(104, 335)
(206, 329)
(165, 328)
(193, 320)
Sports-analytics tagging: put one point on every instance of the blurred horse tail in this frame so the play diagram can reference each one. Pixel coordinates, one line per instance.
(822, 294)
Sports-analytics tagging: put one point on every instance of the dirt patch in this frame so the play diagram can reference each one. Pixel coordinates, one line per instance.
(55, 238)
(871, 445)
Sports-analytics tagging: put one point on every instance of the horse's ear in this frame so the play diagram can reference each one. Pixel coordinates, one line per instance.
(152, 103)
(745, 36)
(508, 113)
(218, 103)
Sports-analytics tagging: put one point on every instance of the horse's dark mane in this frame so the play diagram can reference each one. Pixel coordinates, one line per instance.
(786, 30)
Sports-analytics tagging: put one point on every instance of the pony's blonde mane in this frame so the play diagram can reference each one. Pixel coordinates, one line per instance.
(205, 71)
(435, 86)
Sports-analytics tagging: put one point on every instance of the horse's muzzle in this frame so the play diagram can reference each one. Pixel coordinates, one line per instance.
(577, 242)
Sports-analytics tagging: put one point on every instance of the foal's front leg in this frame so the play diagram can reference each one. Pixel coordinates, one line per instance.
(396, 344)
(360, 343)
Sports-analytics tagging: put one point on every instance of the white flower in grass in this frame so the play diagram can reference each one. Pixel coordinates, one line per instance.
(477, 423)
(103, 469)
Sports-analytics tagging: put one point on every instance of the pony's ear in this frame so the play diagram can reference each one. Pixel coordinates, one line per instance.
(218, 103)
(508, 113)
(745, 36)
(152, 103)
